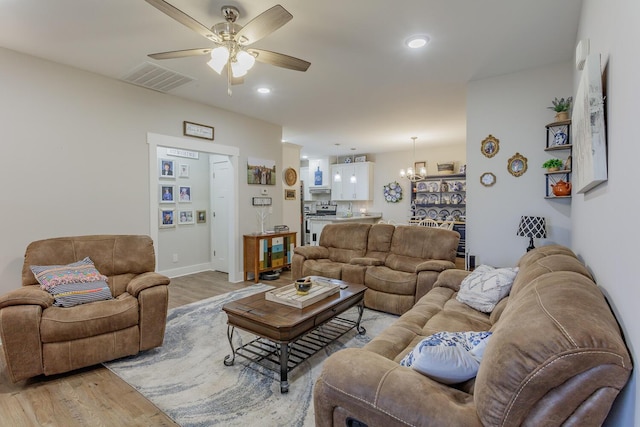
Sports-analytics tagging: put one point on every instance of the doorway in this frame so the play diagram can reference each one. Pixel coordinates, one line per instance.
(230, 155)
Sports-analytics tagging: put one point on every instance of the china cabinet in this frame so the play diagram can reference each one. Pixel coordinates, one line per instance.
(442, 197)
(558, 144)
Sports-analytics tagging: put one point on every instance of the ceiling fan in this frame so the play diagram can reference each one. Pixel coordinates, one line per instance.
(232, 52)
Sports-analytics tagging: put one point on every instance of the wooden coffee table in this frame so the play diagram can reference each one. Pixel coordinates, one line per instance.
(288, 335)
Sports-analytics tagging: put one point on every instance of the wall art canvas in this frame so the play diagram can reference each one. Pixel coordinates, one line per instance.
(588, 129)
(261, 171)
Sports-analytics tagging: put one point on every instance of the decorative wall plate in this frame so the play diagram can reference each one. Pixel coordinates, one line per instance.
(290, 176)
(517, 165)
(490, 146)
(487, 179)
(392, 192)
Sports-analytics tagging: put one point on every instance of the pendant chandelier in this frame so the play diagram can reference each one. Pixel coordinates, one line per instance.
(410, 173)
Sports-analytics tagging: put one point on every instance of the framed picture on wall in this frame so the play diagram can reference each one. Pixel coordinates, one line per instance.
(167, 193)
(185, 217)
(185, 194)
(289, 194)
(261, 171)
(201, 217)
(167, 218)
(183, 170)
(166, 169)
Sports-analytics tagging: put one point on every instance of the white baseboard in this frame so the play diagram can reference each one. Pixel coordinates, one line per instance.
(183, 271)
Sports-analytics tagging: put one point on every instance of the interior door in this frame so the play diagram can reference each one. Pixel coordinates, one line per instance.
(221, 176)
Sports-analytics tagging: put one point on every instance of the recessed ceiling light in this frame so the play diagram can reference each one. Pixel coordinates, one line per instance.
(418, 41)
(264, 90)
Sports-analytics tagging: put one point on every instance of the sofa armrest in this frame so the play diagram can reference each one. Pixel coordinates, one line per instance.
(312, 252)
(144, 281)
(368, 387)
(435, 265)
(366, 261)
(451, 279)
(27, 295)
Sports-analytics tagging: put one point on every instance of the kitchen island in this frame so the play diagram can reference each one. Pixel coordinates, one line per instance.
(317, 224)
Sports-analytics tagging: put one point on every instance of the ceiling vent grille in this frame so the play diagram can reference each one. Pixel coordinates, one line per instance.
(154, 77)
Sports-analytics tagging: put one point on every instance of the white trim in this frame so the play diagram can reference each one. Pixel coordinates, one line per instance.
(183, 271)
(154, 140)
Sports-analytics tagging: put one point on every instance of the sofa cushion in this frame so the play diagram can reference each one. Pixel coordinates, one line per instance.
(322, 267)
(86, 320)
(486, 286)
(345, 241)
(390, 280)
(448, 357)
(82, 271)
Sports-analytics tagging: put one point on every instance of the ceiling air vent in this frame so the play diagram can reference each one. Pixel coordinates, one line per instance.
(155, 77)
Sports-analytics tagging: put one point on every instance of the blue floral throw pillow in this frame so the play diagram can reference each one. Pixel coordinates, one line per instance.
(448, 357)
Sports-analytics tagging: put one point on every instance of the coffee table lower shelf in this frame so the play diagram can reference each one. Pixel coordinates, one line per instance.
(283, 357)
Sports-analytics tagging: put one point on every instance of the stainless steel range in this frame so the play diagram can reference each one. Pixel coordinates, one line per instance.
(323, 211)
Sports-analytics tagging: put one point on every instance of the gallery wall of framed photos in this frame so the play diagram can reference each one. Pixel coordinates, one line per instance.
(183, 189)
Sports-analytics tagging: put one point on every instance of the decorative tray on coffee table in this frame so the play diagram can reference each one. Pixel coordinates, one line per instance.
(287, 295)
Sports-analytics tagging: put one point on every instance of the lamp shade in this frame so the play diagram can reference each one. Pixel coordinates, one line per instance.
(219, 58)
(532, 226)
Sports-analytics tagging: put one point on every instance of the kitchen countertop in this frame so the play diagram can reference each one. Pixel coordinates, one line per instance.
(340, 218)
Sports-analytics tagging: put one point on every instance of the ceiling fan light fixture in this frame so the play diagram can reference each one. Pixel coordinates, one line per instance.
(237, 70)
(245, 59)
(219, 58)
(418, 41)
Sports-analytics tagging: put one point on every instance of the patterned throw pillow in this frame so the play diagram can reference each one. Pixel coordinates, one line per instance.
(71, 294)
(486, 286)
(73, 284)
(448, 357)
(79, 272)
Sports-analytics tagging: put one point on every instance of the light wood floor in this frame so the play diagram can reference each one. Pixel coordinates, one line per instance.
(95, 396)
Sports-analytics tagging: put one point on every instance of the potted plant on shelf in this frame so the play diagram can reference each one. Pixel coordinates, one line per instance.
(561, 107)
(552, 165)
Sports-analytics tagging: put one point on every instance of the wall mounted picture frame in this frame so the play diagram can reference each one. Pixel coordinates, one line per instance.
(419, 165)
(166, 169)
(167, 193)
(197, 130)
(184, 195)
(289, 194)
(490, 146)
(201, 217)
(186, 217)
(487, 179)
(167, 218)
(183, 170)
(261, 171)
(517, 165)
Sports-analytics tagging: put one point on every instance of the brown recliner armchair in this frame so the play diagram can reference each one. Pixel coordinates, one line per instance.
(40, 338)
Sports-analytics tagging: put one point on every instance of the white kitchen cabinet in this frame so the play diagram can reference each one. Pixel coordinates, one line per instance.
(346, 188)
(321, 166)
(306, 182)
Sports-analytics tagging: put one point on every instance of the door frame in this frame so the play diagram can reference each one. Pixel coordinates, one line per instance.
(154, 140)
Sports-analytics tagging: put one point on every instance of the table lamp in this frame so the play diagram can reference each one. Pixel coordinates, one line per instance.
(532, 226)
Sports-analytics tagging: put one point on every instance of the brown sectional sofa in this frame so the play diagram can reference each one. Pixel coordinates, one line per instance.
(40, 338)
(556, 357)
(397, 264)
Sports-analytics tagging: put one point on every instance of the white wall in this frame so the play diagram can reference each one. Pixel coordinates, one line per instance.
(76, 156)
(600, 236)
(291, 209)
(512, 108)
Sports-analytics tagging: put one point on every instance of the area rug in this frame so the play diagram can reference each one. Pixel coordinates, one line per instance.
(187, 379)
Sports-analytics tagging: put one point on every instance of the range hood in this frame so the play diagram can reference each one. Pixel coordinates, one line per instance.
(319, 190)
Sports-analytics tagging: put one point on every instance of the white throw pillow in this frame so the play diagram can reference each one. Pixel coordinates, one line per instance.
(448, 357)
(486, 286)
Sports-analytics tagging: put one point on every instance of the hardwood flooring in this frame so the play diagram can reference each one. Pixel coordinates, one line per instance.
(95, 396)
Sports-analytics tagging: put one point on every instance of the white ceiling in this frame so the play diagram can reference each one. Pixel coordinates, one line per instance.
(364, 89)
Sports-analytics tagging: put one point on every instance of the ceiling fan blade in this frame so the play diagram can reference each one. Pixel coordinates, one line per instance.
(183, 18)
(180, 53)
(263, 25)
(280, 60)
